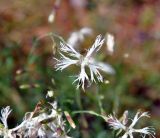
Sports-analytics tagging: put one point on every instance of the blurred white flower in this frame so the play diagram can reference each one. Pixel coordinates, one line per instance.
(78, 37)
(126, 55)
(110, 42)
(4, 115)
(51, 17)
(75, 58)
(121, 125)
(86, 31)
(44, 124)
(50, 94)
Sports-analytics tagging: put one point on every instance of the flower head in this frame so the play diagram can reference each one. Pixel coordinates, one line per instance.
(5, 113)
(121, 124)
(4, 116)
(73, 57)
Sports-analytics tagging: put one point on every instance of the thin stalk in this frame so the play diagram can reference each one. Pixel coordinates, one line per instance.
(35, 44)
(84, 123)
(99, 101)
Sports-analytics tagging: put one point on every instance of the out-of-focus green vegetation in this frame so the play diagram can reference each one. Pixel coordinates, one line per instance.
(136, 59)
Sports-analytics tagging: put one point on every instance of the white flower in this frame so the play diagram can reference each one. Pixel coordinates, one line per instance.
(4, 116)
(41, 124)
(78, 36)
(115, 123)
(86, 31)
(129, 130)
(5, 113)
(75, 58)
(110, 42)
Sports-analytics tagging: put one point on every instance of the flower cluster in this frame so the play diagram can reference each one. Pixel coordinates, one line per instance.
(121, 125)
(36, 124)
(47, 122)
(77, 37)
(4, 116)
(73, 57)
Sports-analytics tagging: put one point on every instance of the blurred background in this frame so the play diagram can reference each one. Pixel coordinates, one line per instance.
(27, 66)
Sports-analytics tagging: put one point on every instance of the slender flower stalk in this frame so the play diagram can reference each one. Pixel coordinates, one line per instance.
(121, 125)
(73, 57)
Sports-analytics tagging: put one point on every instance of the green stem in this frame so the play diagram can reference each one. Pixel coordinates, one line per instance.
(84, 123)
(35, 44)
(99, 101)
